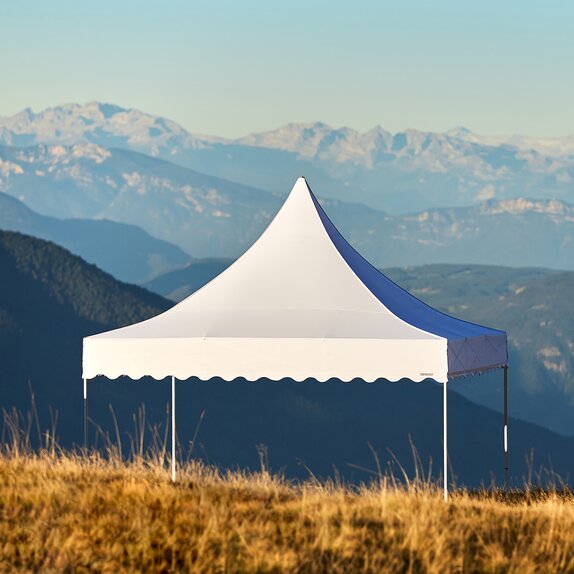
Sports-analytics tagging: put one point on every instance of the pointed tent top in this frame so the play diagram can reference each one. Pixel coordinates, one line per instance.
(292, 265)
(301, 186)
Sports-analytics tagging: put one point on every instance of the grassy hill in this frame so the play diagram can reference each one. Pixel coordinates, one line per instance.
(72, 514)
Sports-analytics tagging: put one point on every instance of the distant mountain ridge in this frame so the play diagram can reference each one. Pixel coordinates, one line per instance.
(317, 139)
(180, 283)
(402, 172)
(93, 122)
(74, 123)
(212, 217)
(125, 251)
(202, 214)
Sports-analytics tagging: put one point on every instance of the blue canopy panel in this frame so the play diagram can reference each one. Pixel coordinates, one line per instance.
(472, 348)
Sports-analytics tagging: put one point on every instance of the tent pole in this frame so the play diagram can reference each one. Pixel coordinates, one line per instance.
(445, 444)
(173, 429)
(86, 414)
(506, 426)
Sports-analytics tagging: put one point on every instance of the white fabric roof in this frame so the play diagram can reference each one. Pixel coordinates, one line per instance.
(300, 303)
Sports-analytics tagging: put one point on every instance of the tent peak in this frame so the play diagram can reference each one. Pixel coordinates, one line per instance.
(300, 190)
(301, 184)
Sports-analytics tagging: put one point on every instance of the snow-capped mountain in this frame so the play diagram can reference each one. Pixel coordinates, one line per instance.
(400, 173)
(207, 216)
(319, 141)
(413, 149)
(104, 124)
(548, 146)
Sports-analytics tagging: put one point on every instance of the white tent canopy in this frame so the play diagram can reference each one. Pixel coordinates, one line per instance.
(300, 303)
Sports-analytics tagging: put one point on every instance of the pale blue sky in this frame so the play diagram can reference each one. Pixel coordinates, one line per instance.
(229, 67)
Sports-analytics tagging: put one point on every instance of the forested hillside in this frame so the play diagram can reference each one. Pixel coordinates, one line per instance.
(50, 299)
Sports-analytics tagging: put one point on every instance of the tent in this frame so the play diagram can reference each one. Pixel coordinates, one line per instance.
(300, 303)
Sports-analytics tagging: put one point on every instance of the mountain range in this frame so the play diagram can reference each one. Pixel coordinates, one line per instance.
(208, 216)
(44, 315)
(135, 194)
(402, 172)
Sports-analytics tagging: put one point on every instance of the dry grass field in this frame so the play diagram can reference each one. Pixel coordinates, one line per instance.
(66, 512)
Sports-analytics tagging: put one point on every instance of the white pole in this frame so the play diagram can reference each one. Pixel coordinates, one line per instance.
(445, 444)
(86, 414)
(173, 429)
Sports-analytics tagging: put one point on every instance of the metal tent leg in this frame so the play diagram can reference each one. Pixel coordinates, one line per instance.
(173, 429)
(506, 426)
(86, 414)
(445, 443)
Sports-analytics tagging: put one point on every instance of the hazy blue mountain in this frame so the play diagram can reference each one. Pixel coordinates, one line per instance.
(402, 172)
(535, 307)
(125, 251)
(50, 299)
(202, 214)
(178, 284)
(207, 216)
(492, 232)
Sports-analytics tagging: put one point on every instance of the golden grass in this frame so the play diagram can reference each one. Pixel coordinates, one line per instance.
(71, 513)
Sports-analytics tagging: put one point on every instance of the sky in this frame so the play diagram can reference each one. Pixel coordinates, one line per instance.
(230, 67)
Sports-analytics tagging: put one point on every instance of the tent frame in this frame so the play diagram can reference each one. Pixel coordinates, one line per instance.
(445, 430)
